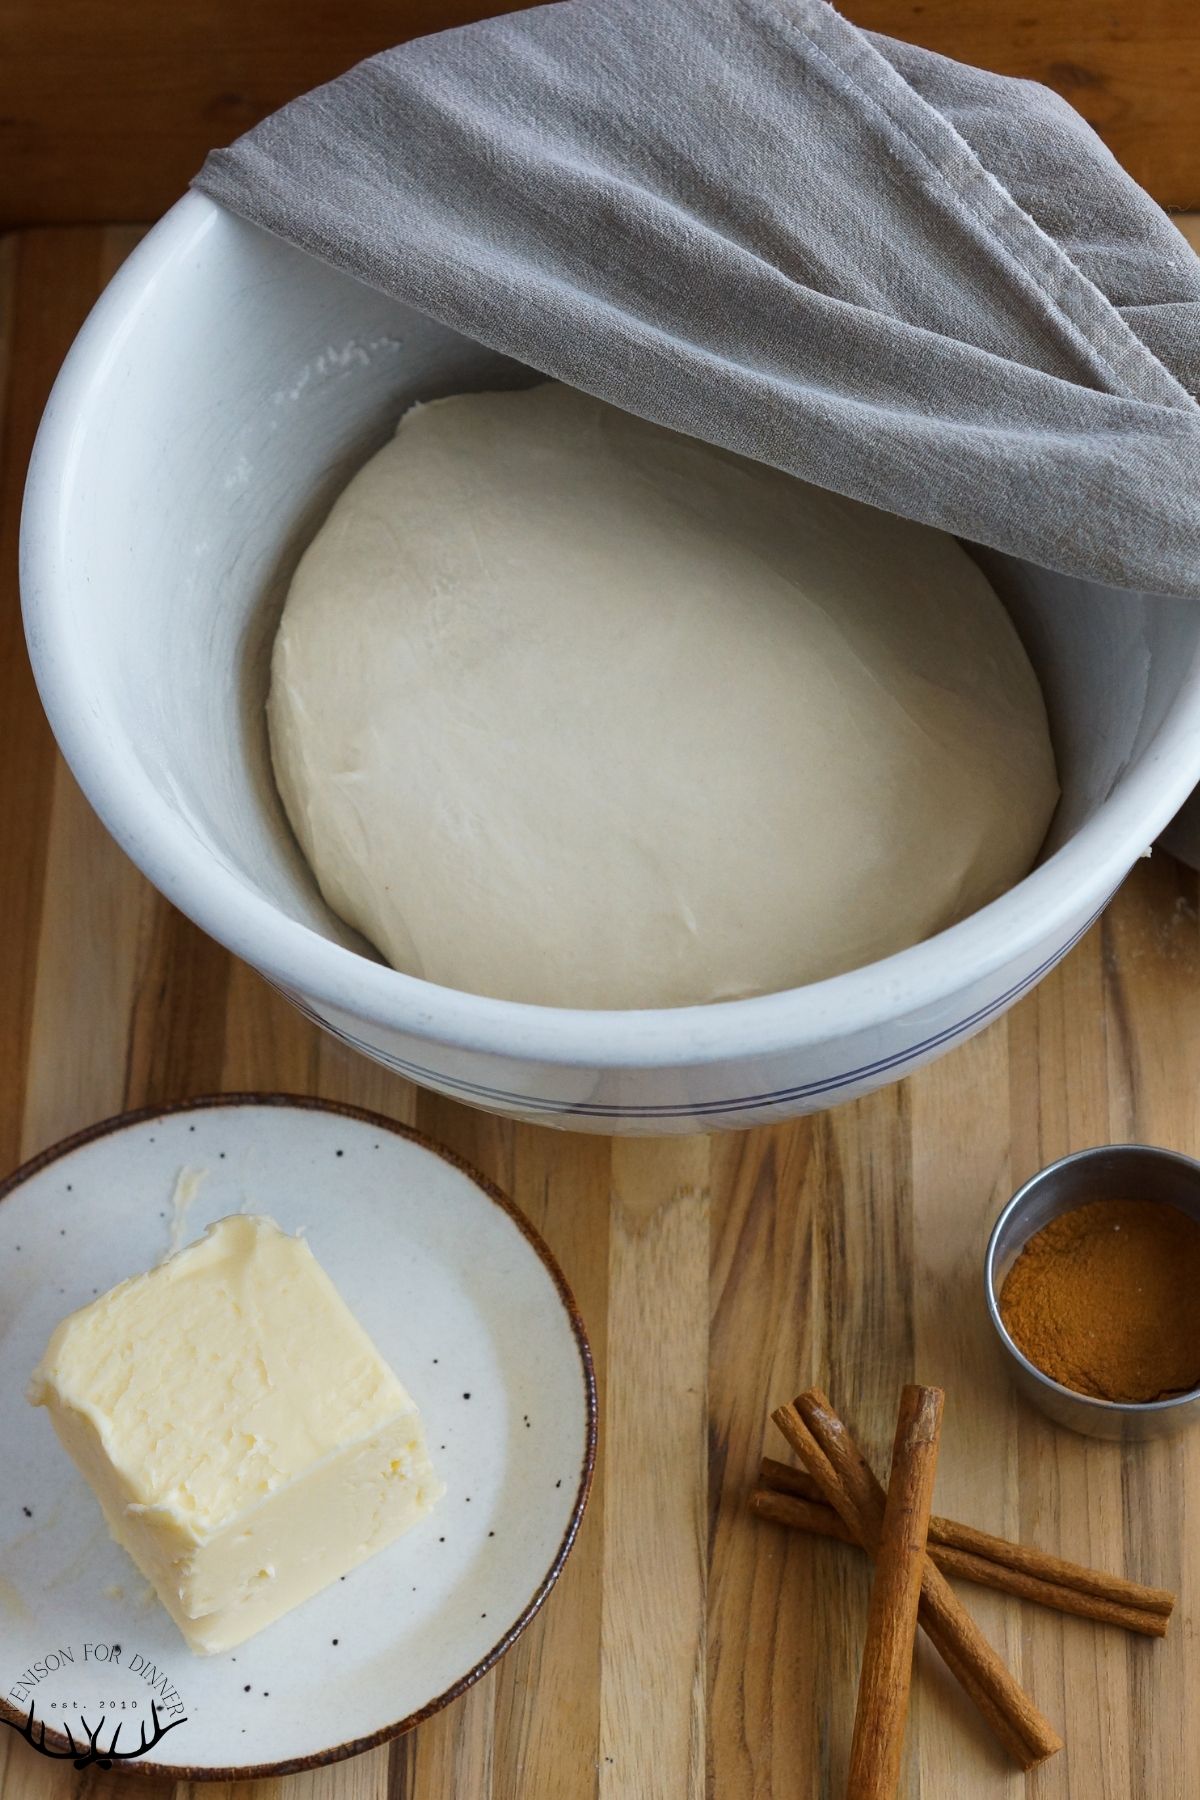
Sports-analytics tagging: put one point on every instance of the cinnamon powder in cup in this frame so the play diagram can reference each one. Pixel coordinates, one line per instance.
(1106, 1300)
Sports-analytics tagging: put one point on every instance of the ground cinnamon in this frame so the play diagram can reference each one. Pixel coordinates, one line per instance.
(1103, 1300)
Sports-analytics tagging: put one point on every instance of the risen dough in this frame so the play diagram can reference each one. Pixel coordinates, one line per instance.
(567, 708)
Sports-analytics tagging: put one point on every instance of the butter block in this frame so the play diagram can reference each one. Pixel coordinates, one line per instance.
(245, 1440)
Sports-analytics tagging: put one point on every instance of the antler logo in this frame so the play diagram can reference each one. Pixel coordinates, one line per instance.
(83, 1755)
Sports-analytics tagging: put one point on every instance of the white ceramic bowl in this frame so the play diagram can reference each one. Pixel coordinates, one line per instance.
(219, 396)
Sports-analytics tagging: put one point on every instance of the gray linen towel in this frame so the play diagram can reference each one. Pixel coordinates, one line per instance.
(909, 281)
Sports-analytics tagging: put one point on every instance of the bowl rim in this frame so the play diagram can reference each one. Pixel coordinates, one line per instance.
(1121, 1408)
(1043, 909)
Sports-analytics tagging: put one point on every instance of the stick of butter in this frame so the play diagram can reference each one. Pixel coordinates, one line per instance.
(245, 1439)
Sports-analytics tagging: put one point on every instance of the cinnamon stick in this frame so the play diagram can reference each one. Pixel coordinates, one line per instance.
(882, 1710)
(1014, 1718)
(819, 1520)
(848, 1484)
(1018, 1559)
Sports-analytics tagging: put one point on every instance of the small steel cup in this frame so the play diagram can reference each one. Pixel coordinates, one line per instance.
(1110, 1172)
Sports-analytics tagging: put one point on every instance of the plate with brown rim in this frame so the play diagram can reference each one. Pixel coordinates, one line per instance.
(465, 1302)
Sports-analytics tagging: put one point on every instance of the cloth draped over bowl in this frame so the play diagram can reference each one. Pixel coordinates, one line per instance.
(910, 281)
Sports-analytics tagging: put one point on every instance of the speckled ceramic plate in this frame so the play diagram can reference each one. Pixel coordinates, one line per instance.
(465, 1302)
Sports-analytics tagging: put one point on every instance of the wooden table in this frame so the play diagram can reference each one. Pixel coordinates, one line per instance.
(688, 1649)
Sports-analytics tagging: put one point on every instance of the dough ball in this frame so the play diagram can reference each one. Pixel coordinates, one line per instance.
(568, 708)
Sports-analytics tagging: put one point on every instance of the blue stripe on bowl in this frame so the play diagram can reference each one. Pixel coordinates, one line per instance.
(705, 1108)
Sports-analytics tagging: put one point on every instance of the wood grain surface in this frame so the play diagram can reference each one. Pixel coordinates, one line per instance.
(689, 1650)
(107, 107)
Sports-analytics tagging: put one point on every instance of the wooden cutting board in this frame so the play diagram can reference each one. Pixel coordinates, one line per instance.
(688, 1649)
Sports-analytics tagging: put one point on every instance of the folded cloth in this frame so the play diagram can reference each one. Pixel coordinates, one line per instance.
(906, 280)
